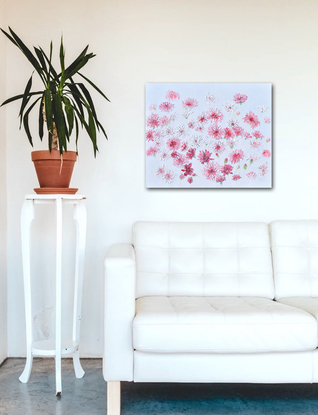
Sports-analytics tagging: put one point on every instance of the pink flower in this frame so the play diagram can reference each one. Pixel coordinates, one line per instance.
(251, 119)
(152, 151)
(152, 107)
(175, 154)
(181, 130)
(215, 131)
(153, 121)
(211, 170)
(190, 180)
(179, 160)
(220, 179)
(166, 106)
(163, 121)
(232, 123)
(219, 147)
(255, 144)
(226, 169)
(191, 124)
(268, 140)
(190, 103)
(238, 130)
(169, 131)
(228, 133)
(202, 118)
(160, 171)
(263, 168)
(236, 156)
(169, 176)
(149, 135)
(174, 143)
(267, 120)
(258, 135)
(214, 114)
(184, 146)
(236, 177)
(172, 95)
(157, 134)
(188, 170)
(239, 98)
(266, 153)
(247, 135)
(164, 155)
(230, 142)
(204, 156)
(199, 128)
(251, 175)
(191, 153)
(181, 176)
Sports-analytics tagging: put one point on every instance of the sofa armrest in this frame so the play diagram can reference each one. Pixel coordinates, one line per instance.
(120, 271)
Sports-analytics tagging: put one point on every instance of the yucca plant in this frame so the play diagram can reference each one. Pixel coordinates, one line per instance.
(64, 105)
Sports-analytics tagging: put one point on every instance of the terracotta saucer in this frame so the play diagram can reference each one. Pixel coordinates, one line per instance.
(55, 190)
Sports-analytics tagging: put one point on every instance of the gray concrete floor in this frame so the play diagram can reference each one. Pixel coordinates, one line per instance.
(88, 395)
(37, 397)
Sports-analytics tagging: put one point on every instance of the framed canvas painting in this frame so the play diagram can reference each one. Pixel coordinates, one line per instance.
(209, 135)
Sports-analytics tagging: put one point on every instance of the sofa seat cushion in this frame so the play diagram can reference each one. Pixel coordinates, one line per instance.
(221, 324)
(308, 304)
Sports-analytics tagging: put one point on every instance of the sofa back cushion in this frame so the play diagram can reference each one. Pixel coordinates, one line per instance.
(203, 259)
(295, 258)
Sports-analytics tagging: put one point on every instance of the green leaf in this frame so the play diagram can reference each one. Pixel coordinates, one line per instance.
(69, 114)
(26, 98)
(94, 86)
(75, 63)
(81, 62)
(49, 115)
(26, 121)
(76, 94)
(102, 128)
(76, 134)
(16, 97)
(59, 121)
(62, 55)
(41, 120)
(88, 99)
(42, 62)
(26, 51)
(51, 68)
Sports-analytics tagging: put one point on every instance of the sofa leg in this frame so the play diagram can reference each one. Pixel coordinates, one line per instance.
(113, 398)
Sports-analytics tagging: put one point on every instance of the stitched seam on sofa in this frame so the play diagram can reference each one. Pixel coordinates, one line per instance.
(169, 260)
(238, 261)
(209, 274)
(206, 247)
(204, 261)
(234, 324)
(211, 350)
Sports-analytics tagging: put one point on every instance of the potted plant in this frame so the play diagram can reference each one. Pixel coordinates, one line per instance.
(64, 106)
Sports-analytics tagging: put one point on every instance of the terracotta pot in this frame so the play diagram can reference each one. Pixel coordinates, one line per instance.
(54, 174)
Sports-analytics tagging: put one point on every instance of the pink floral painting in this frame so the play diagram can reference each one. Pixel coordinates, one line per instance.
(208, 135)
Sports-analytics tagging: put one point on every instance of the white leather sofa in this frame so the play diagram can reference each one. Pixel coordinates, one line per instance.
(212, 302)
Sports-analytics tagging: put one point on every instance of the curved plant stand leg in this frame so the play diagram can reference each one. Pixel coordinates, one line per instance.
(79, 371)
(27, 216)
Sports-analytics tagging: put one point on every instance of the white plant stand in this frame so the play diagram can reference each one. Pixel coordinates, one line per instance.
(57, 347)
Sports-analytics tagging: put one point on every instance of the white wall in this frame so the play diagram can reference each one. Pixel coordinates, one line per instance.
(165, 41)
(3, 201)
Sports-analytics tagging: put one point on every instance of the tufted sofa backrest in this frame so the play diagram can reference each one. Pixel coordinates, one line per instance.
(203, 259)
(295, 257)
